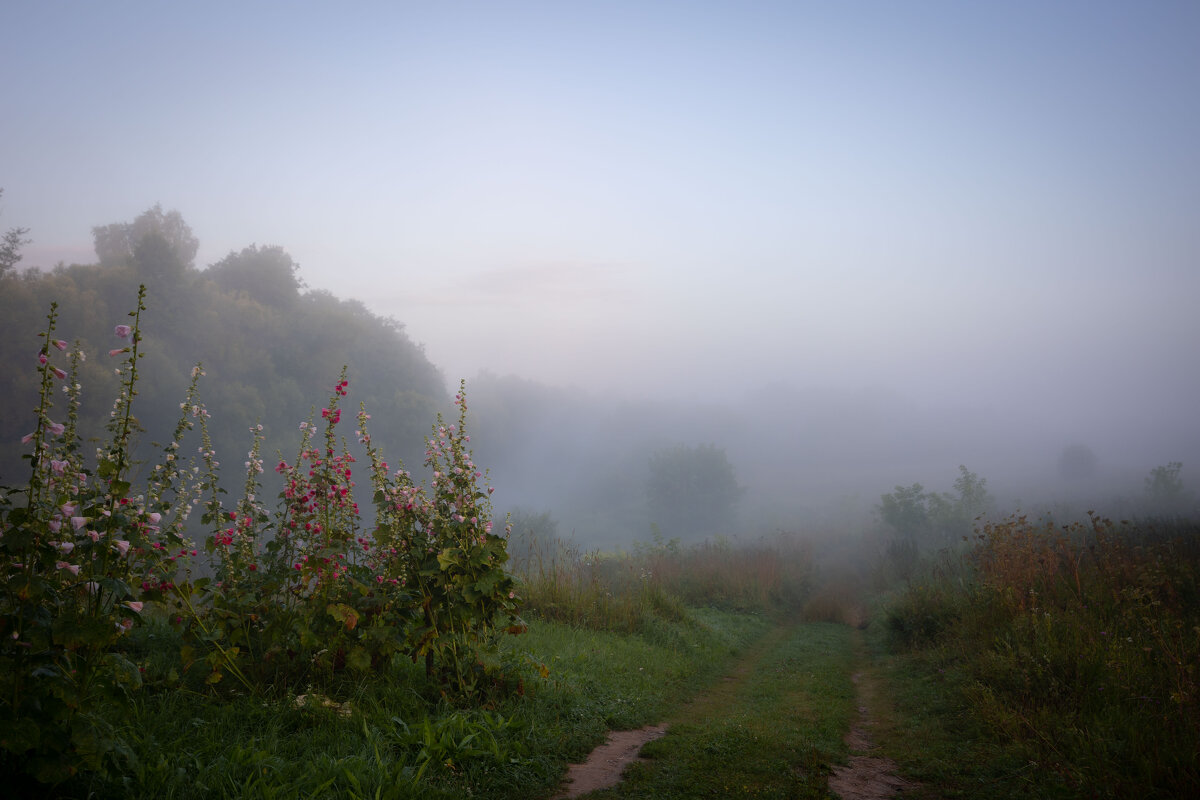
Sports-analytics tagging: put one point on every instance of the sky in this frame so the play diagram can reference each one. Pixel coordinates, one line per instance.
(989, 206)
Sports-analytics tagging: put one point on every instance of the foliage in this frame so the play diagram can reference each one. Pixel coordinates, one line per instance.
(1165, 490)
(1077, 645)
(10, 248)
(302, 595)
(692, 492)
(921, 520)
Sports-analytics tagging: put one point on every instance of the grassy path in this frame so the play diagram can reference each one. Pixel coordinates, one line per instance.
(771, 728)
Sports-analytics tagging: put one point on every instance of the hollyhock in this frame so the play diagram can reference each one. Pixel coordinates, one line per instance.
(122, 331)
(71, 568)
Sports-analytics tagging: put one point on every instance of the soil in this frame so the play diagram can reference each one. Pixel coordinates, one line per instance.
(607, 762)
(868, 776)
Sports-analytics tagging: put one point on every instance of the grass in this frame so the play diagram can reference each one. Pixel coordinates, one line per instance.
(771, 729)
(393, 737)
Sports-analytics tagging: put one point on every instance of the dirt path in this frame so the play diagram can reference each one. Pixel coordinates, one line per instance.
(868, 776)
(606, 764)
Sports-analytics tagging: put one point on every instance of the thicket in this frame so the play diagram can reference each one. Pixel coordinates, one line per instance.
(293, 598)
(1079, 645)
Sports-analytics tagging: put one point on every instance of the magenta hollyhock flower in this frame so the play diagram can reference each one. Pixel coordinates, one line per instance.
(122, 331)
(42, 359)
(71, 568)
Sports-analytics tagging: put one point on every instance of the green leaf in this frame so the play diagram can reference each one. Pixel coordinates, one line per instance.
(359, 659)
(19, 735)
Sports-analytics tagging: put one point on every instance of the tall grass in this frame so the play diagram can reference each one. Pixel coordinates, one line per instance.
(1079, 643)
(621, 591)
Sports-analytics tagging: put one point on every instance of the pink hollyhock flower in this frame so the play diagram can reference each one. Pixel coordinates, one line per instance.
(66, 547)
(58, 467)
(125, 625)
(71, 568)
(122, 331)
(56, 428)
(94, 535)
(42, 359)
(78, 522)
(135, 606)
(122, 547)
(54, 525)
(60, 344)
(59, 373)
(154, 517)
(117, 351)
(27, 438)
(67, 509)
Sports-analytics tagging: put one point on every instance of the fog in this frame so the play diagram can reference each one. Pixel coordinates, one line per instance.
(853, 246)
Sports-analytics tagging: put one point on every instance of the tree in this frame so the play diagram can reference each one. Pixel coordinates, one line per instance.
(10, 247)
(1077, 463)
(117, 244)
(692, 491)
(1165, 489)
(921, 519)
(266, 274)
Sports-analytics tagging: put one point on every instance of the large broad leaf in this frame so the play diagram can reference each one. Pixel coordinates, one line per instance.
(448, 558)
(19, 735)
(343, 614)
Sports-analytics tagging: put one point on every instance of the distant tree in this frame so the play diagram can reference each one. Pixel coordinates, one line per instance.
(692, 491)
(10, 247)
(1165, 490)
(117, 244)
(921, 520)
(266, 274)
(1077, 462)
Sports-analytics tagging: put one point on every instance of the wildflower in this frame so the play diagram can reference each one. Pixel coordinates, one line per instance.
(42, 359)
(78, 522)
(122, 331)
(54, 525)
(122, 547)
(56, 428)
(117, 351)
(94, 535)
(71, 568)
(66, 547)
(135, 606)
(58, 467)
(60, 344)
(27, 438)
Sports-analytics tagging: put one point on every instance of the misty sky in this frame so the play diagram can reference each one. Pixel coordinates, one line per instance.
(975, 205)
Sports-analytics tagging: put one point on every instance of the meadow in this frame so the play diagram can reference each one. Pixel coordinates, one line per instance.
(159, 638)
